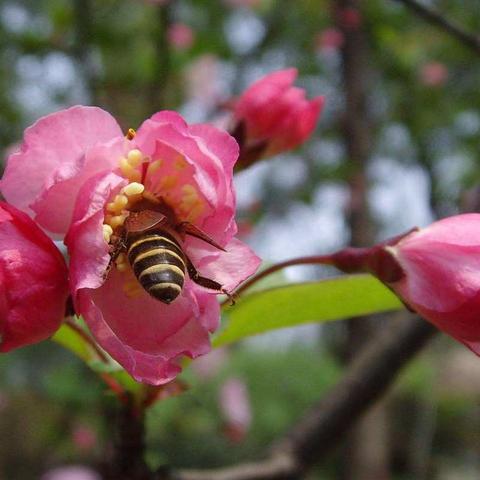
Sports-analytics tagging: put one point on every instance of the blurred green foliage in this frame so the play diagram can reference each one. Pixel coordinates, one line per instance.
(424, 107)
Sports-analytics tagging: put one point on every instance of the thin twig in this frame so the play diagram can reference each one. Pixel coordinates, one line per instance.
(88, 339)
(435, 18)
(312, 260)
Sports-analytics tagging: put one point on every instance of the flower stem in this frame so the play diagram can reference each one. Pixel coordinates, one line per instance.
(312, 260)
(80, 332)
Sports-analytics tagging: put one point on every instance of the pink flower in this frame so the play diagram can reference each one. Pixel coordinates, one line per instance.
(330, 39)
(33, 279)
(435, 270)
(77, 172)
(236, 408)
(84, 437)
(275, 115)
(180, 36)
(73, 472)
(433, 74)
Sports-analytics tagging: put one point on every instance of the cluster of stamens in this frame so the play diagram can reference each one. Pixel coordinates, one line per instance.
(136, 168)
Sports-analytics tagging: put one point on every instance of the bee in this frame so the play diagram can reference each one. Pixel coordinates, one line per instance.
(152, 238)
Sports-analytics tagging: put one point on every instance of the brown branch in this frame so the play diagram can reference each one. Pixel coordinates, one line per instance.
(431, 16)
(368, 378)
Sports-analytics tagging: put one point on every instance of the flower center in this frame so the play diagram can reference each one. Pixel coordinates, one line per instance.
(165, 181)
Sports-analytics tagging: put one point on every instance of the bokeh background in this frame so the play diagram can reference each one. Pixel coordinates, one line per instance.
(405, 153)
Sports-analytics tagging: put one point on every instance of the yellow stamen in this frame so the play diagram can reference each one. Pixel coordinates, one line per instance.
(180, 163)
(153, 167)
(134, 157)
(118, 204)
(195, 212)
(107, 232)
(133, 188)
(128, 171)
(117, 221)
(167, 182)
(131, 134)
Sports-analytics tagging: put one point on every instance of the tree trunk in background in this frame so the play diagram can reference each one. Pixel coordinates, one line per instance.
(367, 451)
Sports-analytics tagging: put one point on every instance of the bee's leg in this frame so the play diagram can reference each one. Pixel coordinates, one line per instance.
(116, 248)
(206, 282)
(190, 229)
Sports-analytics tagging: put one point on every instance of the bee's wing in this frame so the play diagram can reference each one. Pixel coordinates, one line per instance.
(144, 220)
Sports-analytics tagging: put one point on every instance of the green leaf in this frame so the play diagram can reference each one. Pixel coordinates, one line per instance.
(291, 305)
(71, 340)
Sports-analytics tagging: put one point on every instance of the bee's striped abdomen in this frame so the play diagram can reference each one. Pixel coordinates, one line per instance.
(158, 263)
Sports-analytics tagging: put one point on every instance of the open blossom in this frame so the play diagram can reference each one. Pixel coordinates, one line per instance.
(275, 115)
(77, 174)
(33, 279)
(435, 270)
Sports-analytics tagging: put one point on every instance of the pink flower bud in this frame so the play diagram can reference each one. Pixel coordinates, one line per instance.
(434, 270)
(33, 280)
(275, 116)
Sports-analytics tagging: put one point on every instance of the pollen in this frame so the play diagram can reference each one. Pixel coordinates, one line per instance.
(107, 232)
(129, 171)
(133, 188)
(121, 263)
(135, 157)
(167, 182)
(153, 167)
(132, 288)
(180, 163)
(118, 204)
(117, 220)
(195, 212)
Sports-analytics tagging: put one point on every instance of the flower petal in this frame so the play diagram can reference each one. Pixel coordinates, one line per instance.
(144, 335)
(228, 268)
(54, 150)
(89, 253)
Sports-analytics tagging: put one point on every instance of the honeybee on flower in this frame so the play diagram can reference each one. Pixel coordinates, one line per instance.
(78, 175)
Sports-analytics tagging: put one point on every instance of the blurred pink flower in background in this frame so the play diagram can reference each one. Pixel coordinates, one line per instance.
(433, 74)
(74, 472)
(84, 437)
(202, 80)
(209, 365)
(33, 280)
(180, 36)
(77, 174)
(276, 116)
(330, 39)
(350, 18)
(235, 408)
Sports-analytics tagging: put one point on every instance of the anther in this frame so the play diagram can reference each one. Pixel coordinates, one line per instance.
(107, 232)
(131, 134)
(133, 188)
(117, 221)
(153, 167)
(128, 171)
(134, 157)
